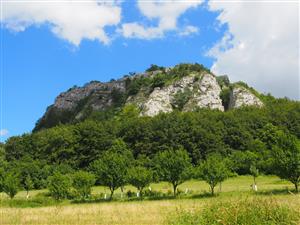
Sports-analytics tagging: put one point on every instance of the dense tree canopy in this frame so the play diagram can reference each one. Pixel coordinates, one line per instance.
(265, 137)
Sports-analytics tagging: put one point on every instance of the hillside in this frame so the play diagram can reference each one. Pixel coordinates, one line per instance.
(185, 87)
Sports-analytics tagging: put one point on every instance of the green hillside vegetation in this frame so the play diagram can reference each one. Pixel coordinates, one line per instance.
(117, 149)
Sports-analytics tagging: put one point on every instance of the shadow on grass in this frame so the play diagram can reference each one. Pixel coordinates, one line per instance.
(203, 195)
(277, 192)
(29, 203)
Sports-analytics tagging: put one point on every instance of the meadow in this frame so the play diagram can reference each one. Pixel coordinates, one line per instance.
(194, 196)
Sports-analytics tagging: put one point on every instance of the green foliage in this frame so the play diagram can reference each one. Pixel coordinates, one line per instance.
(118, 97)
(154, 67)
(185, 69)
(244, 211)
(11, 184)
(28, 184)
(181, 98)
(243, 160)
(111, 169)
(287, 158)
(225, 97)
(92, 139)
(223, 81)
(133, 85)
(159, 80)
(213, 170)
(173, 167)
(59, 186)
(139, 177)
(83, 183)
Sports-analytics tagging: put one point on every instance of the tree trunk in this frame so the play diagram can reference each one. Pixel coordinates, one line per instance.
(27, 194)
(174, 189)
(296, 187)
(212, 190)
(141, 193)
(111, 193)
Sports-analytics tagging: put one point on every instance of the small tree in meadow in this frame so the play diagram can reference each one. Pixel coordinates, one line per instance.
(11, 185)
(255, 173)
(59, 186)
(83, 183)
(28, 185)
(111, 169)
(173, 167)
(139, 177)
(286, 155)
(213, 170)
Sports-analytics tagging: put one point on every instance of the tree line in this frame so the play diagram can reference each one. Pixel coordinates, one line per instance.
(243, 140)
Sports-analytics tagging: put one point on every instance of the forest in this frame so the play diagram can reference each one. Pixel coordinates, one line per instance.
(112, 148)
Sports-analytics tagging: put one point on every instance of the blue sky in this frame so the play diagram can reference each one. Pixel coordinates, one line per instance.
(40, 62)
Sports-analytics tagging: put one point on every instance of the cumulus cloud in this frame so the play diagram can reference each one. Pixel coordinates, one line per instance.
(261, 46)
(188, 30)
(167, 14)
(69, 20)
(3, 132)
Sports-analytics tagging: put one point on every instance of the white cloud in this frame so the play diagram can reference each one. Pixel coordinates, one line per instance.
(69, 20)
(261, 46)
(188, 30)
(3, 132)
(167, 14)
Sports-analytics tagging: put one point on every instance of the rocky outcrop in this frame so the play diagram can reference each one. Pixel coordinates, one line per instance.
(204, 93)
(197, 88)
(101, 91)
(241, 96)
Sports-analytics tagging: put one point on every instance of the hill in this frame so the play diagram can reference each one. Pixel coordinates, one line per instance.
(185, 87)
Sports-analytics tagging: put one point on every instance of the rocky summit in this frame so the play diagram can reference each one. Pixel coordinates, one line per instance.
(185, 87)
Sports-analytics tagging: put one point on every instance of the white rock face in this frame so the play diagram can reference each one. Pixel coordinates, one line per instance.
(240, 96)
(205, 94)
(159, 101)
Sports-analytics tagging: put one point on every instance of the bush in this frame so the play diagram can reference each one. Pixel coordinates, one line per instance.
(11, 185)
(59, 186)
(246, 212)
(83, 183)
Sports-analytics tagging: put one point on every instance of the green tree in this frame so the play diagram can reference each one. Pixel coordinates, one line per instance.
(28, 185)
(254, 172)
(59, 186)
(213, 170)
(286, 156)
(83, 183)
(173, 167)
(111, 169)
(11, 185)
(139, 177)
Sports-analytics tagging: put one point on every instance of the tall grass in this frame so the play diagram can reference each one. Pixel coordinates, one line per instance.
(255, 211)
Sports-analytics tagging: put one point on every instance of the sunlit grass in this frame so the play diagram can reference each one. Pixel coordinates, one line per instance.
(147, 211)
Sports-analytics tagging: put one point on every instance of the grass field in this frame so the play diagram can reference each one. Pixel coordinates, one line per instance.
(147, 211)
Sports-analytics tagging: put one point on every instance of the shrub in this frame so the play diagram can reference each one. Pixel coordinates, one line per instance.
(245, 212)
(11, 185)
(83, 183)
(139, 177)
(59, 186)
(213, 171)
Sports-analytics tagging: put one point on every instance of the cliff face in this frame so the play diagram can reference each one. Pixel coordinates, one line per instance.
(187, 94)
(240, 96)
(99, 94)
(195, 89)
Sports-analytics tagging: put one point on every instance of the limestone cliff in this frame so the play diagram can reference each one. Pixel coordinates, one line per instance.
(202, 91)
(240, 96)
(185, 87)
